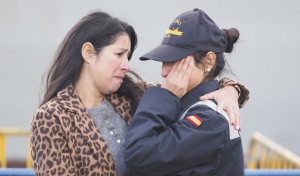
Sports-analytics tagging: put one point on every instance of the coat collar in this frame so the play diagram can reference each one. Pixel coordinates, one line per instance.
(72, 102)
(70, 99)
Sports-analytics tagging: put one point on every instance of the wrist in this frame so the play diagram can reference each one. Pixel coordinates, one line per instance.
(237, 88)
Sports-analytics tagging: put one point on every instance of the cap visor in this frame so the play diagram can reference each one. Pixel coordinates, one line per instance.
(167, 53)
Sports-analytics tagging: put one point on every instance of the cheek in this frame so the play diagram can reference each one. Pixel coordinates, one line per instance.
(165, 70)
(99, 72)
(166, 67)
(107, 65)
(98, 68)
(111, 63)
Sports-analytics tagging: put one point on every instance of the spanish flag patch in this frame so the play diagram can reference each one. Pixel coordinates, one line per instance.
(195, 120)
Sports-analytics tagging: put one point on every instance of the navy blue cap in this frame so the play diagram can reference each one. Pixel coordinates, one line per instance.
(190, 32)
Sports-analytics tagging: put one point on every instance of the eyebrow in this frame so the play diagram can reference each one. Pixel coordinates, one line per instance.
(124, 49)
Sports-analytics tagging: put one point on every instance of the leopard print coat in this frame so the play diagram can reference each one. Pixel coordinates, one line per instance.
(65, 141)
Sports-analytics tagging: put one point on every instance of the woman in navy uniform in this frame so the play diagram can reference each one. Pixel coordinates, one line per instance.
(172, 132)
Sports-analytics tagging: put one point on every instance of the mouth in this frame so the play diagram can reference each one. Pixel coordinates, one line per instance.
(120, 77)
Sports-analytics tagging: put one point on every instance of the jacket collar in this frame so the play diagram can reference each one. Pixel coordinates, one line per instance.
(72, 102)
(193, 96)
(70, 99)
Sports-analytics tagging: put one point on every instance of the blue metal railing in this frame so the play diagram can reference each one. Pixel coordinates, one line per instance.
(248, 172)
(16, 172)
(272, 172)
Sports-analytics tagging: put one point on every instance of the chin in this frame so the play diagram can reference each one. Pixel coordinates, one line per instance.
(114, 89)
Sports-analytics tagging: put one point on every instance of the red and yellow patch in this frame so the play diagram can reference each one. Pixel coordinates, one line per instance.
(195, 120)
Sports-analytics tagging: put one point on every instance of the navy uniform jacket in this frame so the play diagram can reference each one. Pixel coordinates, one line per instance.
(157, 143)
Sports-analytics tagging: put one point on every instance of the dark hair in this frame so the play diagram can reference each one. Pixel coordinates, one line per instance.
(232, 37)
(100, 29)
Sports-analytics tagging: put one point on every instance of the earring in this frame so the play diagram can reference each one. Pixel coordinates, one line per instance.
(208, 69)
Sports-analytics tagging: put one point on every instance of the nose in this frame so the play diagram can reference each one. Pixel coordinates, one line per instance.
(125, 66)
(165, 70)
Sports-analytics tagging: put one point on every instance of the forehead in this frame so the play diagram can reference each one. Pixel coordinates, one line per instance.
(122, 41)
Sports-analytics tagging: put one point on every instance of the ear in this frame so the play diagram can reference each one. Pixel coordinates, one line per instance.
(88, 52)
(210, 60)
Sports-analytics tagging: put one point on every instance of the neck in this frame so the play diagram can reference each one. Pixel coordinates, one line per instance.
(88, 92)
(193, 84)
(196, 78)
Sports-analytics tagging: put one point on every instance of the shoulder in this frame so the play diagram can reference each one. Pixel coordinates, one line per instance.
(48, 111)
(151, 84)
(207, 115)
(46, 119)
(204, 110)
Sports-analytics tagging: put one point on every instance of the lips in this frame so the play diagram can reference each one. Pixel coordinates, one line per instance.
(120, 77)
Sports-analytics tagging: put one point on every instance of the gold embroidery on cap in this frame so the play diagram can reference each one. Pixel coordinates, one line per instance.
(177, 21)
(174, 31)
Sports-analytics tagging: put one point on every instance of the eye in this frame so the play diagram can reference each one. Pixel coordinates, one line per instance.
(119, 54)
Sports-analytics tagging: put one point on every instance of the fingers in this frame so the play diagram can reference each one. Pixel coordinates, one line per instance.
(185, 70)
(180, 68)
(231, 115)
(234, 117)
(172, 71)
(227, 101)
(237, 118)
(187, 75)
(175, 71)
(220, 107)
(209, 96)
(178, 78)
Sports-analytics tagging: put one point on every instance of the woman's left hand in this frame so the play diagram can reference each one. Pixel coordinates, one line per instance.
(227, 99)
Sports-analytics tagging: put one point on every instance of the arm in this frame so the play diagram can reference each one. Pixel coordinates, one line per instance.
(244, 92)
(49, 148)
(156, 143)
(228, 98)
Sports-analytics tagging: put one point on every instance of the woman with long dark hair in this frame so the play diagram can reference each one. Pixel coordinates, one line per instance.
(89, 69)
(90, 98)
